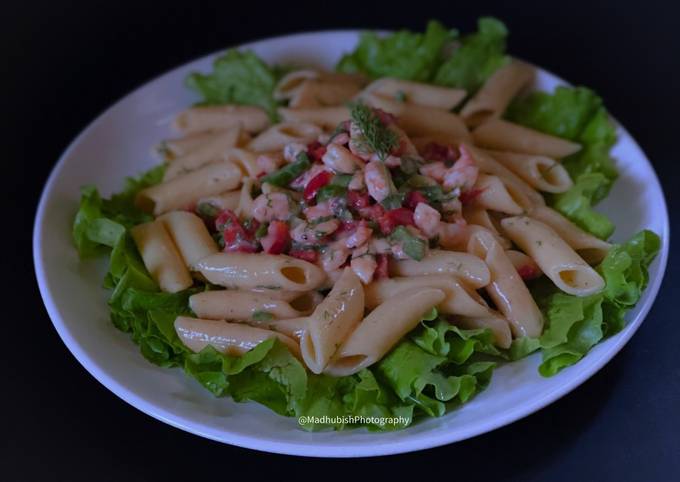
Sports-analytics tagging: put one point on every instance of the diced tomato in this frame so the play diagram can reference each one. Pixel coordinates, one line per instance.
(277, 238)
(316, 150)
(372, 213)
(469, 196)
(317, 182)
(528, 272)
(395, 217)
(225, 218)
(310, 255)
(348, 225)
(440, 152)
(252, 227)
(236, 237)
(415, 197)
(385, 117)
(381, 271)
(358, 199)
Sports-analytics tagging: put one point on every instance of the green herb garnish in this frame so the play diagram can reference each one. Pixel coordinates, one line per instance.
(376, 136)
(330, 191)
(413, 246)
(284, 176)
(393, 201)
(261, 231)
(261, 315)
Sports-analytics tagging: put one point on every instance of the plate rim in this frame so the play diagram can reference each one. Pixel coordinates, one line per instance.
(408, 444)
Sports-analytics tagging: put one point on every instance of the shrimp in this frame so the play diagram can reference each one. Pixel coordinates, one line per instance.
(334, 256)
(463, 173)
(270, 206)
(321, 210)
(303, 179)
(378, 180)
(340, 159)
(357, 182)
(364, 267)
(427, 219)
(269, 162)
(360, 236)
(453, 235)
(435, 170)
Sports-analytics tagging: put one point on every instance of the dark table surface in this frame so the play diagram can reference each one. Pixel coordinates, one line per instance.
(64, 62)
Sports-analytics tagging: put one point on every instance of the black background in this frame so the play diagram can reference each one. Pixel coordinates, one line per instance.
(62, 63)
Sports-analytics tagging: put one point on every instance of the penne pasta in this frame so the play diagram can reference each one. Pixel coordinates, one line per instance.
(251, 271)
(406, 91)
(276, 137)
(211, 150)
(323, 92)
(492, 194)
(506, 288)
(488, 165)
(501, 135)
(495, 95)
(240, 305)
(183, 192)
(220, 202)
(382, 329)
(292, 82)
(247, 117)
(557, 259)
(591, 249)
(477, 215)
(332, 321)
(418, 120)
(499, 327)
(325, 117)
(470, 269)
(232, 339)
(191, 237)
(173, 148)
(292, 327)
(160, 257)
(244, 208)
(525, 266)
(459, 299)
(541, 172)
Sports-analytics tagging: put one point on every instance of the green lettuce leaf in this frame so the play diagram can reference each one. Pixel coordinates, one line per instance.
(480, 54)
(404, 54)
(237, 78)
(577, 204)
(577, 114)
(435, 368)
(574, 325)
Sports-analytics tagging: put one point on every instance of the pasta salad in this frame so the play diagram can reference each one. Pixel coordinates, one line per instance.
(373, 241)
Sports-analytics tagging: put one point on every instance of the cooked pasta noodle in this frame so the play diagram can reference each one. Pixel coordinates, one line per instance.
(240, 305)
(160, 257)
(541, 172)
(426, 95)
(229, 338)
(557, 259)
(197, 119)
(382, 328)
(506, 288)
(496, 93)
(467, 267)
(209, 151)
(183, 192)
(502, 135)
(331, 322)
(248, 271)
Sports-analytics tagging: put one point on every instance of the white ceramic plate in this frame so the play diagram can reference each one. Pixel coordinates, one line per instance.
(118, 144)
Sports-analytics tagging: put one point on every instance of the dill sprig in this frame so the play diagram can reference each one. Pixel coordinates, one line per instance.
(377, 136)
